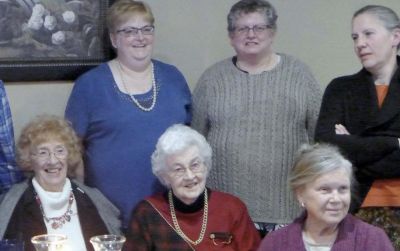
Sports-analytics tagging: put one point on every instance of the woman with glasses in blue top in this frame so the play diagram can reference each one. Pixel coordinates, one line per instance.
(121, 107)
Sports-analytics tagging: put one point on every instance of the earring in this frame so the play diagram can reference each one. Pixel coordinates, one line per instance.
(302, 204)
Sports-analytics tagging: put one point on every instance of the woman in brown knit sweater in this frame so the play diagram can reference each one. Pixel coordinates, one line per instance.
(256, 109)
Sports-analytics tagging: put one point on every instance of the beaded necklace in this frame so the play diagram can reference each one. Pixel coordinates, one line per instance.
(176, 224)
(58, 222)
(132, 97)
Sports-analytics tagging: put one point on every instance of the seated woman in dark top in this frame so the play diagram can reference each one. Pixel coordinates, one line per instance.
(49, 202)
(188, 216)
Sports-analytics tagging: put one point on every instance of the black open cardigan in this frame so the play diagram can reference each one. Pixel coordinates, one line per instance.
(373, 146)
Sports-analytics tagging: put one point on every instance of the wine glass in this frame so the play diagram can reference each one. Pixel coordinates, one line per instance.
(49, 242)
(108, 242)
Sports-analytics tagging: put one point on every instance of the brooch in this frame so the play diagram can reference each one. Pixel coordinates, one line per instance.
(221, 238)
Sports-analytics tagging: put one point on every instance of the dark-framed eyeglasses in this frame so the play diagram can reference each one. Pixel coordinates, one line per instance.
(257, 29)
(134, 31)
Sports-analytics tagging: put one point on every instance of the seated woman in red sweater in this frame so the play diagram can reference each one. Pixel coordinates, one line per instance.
(321, 180)
(188, 216)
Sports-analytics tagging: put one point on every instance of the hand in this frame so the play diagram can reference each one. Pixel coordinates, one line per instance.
(341, 130)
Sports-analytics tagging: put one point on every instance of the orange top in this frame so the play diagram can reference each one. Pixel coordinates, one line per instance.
(383, 193)
(381, 91)
(386, 192)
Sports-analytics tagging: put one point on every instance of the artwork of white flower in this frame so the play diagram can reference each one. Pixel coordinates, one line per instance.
(69, 16)
(35, 23)
(50, 22)
(58, 38)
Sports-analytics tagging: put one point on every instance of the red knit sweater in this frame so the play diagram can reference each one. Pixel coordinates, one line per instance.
(226, 214)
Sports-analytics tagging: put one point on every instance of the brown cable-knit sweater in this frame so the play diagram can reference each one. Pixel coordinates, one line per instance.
(255, 124)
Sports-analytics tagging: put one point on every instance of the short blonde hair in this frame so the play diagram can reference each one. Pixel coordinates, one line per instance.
(315, 160)
(122, 10)
(43, 129)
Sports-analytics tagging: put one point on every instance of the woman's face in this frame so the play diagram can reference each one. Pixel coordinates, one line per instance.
(49, 163)
(255, 41)
(327, 198)
(374, 45)
(132, 45)
(186, 174)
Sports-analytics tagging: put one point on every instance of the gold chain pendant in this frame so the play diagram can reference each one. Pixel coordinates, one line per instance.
(176, 224)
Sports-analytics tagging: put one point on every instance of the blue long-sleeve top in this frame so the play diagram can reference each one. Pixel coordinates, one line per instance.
(119, 138)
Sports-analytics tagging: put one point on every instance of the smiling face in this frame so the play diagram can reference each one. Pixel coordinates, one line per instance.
(327, 198)
(133, 48)
(250, 44)
(375, 46)
(186, 174)
(49, 163)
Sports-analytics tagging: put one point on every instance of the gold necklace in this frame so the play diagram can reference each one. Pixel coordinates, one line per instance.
(134, 100)
(176, 224)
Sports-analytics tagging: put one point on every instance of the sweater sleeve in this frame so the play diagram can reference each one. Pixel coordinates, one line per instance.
(375, 239)
(385, 168)
(77, 111)
(187, 96)
(108, 212)
(201, 98)
(313, 105)
(245, 234)
(361, 150)
(138, 236)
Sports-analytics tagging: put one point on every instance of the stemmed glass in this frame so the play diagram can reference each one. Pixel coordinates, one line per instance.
(49, 242)
(108, 242)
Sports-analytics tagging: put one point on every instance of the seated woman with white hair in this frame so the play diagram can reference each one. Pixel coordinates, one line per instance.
(188, 216)
(321, 180)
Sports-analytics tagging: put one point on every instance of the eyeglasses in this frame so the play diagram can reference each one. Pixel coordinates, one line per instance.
(257, 29)
(45, 154)
(134, 31)
(196, 167)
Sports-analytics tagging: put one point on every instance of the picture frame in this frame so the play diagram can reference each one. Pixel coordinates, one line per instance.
(43, 40)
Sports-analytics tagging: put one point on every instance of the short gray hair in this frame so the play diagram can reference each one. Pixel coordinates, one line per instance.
(388, 17)
(315, 160)
(250, 6)
(174, 140)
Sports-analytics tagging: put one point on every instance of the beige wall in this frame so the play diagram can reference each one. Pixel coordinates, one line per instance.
(191, 34)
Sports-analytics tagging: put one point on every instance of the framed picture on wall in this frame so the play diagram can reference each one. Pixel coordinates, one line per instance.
(44, 40)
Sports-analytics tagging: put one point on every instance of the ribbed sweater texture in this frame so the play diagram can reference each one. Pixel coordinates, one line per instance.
(255, 123)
